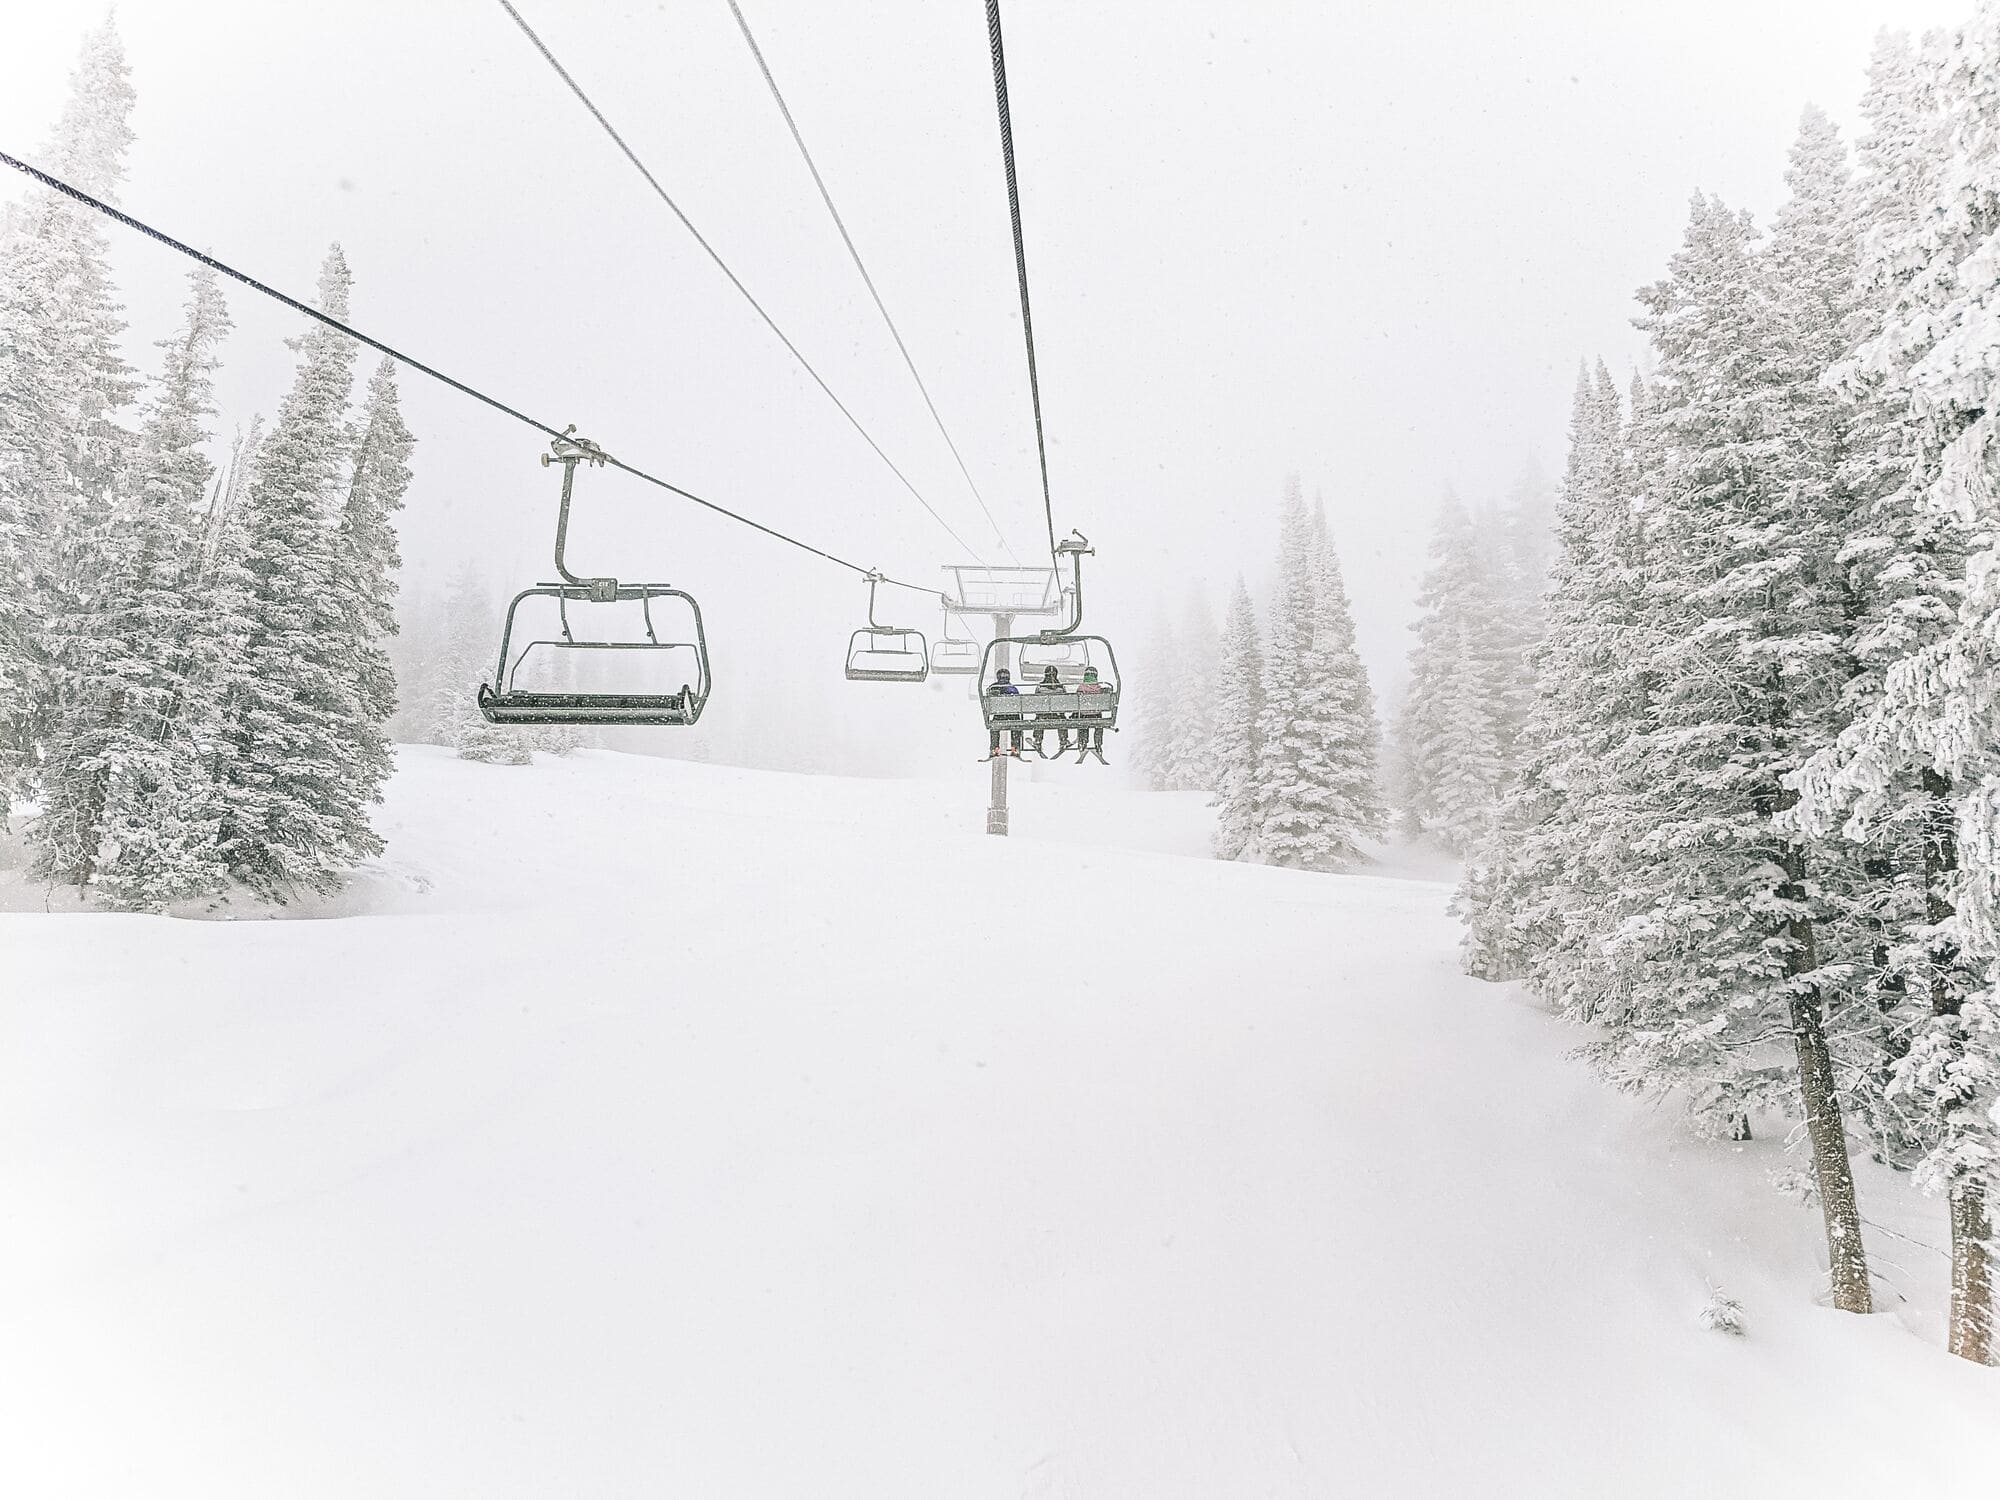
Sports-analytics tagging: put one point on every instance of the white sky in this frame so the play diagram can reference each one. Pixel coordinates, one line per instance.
(1368, 242)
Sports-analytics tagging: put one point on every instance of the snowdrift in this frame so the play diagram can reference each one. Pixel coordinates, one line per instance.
(643, 1128)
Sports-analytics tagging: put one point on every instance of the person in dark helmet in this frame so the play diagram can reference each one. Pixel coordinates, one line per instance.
(1051, 683)
(1002, 686)
(1089, 739)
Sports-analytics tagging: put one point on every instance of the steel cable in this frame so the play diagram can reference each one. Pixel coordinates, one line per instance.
(1020, 256)
(119, 216)
(826, 197)
(723, 266)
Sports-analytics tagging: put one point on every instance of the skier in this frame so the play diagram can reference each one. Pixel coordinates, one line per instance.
(1003, 686)
(1089, 740)
(1051, 683)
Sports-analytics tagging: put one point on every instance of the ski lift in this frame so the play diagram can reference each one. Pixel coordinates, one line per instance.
(506, 701)
(1027, 711)
(886, 653)
(952, 656)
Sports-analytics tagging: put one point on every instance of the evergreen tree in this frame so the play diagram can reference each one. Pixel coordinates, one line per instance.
(366, 541)
(129, 799)
(1197, 668)
(463, 664)
(1919, 758)
(379, 479)
(1541, 893)
(1157, 753)
(295, 801)
(1450, 734)
(1530, 527)
(1728, 943)
(1239, 709)
(413, 655)
(1316, 793)
(63, 381)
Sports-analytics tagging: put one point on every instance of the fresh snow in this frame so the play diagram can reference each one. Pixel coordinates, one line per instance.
(643, 1128)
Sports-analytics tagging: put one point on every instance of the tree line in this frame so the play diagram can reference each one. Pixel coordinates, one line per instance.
(1276, 719)
(1747, 829)
(1719, 740)
(194, 677)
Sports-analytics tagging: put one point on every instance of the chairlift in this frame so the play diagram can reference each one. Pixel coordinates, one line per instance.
(886, 653)
(1028, 710)
(506, 701)
(955, 657)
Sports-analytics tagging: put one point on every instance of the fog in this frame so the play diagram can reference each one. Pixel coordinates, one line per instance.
(1366, 243)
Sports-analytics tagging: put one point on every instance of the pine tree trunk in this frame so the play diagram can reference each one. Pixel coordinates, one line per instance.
(1847, 1256)
(1847, 1259)
(1969, 1333)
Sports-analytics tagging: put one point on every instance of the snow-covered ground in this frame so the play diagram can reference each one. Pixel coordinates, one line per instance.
(643, 1128)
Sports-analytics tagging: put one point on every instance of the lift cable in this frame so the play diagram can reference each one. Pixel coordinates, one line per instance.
(846, 239)
(722, 265)
(58, 185)
(1020, 255)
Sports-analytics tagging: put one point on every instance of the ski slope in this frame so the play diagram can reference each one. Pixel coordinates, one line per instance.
(643, 1128)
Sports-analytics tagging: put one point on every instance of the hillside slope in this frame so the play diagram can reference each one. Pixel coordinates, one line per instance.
(645, 1128)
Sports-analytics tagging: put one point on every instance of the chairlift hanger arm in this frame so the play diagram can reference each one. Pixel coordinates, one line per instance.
(1076, 547)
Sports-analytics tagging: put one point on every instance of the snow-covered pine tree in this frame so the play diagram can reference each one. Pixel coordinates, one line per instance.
(1536, 897)
(1284, 668)
(378, 480)
(63, 381)
(1530, 526)
(1316, 793)
(1197, 669)
(224, 517)
(1905, 565)
(1239, 709)
(463, 663)
(1351, 791)
(1518, 557)
(1449, 734)
(295, 805)
(1727, 946)
(1156, 753)
(413, 653)
(1920, 757)
(130, 805)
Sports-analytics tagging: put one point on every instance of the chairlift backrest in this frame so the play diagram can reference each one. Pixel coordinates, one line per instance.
(1069, 657)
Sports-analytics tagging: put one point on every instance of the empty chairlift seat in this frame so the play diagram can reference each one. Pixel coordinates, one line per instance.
(951, 657)
(886, 653)
(596, 660)
(577, 676)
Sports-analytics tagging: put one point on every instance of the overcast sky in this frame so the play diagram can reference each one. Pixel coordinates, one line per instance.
(1367, 242)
